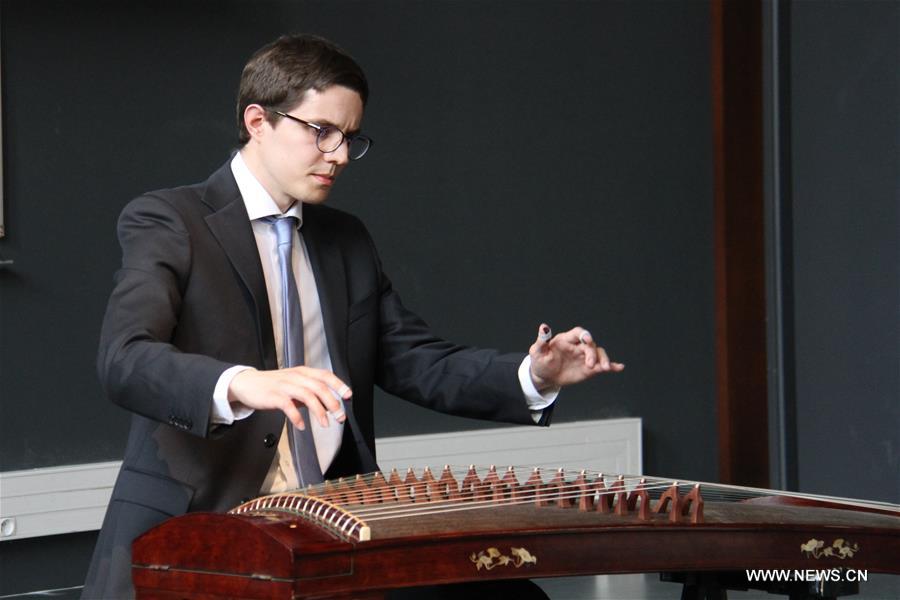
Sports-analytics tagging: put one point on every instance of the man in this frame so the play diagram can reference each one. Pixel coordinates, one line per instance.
(238, 387)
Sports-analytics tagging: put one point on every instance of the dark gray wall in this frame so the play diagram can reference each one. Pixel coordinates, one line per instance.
(534, 161)
(845, 95)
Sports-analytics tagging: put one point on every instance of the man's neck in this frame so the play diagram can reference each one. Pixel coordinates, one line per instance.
(255, 166)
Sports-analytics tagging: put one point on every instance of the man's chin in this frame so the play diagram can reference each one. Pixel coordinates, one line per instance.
(315, 196)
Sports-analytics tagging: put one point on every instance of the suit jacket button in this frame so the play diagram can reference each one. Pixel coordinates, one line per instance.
(270, 440)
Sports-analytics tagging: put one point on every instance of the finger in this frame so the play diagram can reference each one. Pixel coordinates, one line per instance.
(590, 355)
(602, 358)
(541, 347)
(544, 333)
(314, 406)
(324, 393)
(293, 415)
(333, 381)
(573, 336)
(299, 391)
(328, 378)
(544, 336)
(339, 415)
(617, 367)
(320, 382)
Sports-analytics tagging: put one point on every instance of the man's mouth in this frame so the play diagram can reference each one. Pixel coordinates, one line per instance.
(324, 178)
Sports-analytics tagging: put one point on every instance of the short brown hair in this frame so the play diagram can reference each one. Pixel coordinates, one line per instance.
(279, 74)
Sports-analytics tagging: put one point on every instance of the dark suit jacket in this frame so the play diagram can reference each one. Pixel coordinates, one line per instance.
(190, 301)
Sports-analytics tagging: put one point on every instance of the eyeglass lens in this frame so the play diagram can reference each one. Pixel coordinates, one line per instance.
(358, 147)
(330, 138)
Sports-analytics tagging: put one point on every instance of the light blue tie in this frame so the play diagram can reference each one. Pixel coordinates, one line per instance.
(303, 446)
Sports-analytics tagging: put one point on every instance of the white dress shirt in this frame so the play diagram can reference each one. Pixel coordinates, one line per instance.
(260, 204)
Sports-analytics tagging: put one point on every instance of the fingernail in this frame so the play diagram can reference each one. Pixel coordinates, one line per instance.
(345, 392)
(545, 333)
(339, 416)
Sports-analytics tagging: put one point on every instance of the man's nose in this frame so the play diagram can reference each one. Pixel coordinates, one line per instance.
(341, 156)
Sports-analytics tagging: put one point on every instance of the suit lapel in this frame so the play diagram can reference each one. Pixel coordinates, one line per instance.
(327, 263)
(230, 225)
(331, 280)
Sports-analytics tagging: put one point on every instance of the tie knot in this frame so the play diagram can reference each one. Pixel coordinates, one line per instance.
(284, 228)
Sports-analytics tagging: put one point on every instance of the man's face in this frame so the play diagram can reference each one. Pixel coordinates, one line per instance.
(289, 164)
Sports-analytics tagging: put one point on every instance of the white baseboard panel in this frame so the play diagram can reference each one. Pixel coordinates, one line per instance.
(56, 500)
(609, 445)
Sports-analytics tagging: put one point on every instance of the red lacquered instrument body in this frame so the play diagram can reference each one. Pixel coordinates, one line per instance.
(360, 538)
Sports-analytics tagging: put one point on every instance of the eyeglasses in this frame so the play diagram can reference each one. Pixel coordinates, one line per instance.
(330, 138)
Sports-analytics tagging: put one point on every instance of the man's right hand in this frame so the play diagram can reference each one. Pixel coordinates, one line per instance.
(285, 388)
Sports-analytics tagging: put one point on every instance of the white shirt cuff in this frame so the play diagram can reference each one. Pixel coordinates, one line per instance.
(223, 412)
(536, 401)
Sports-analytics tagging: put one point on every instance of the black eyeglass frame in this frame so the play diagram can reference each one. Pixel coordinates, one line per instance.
(322, 131)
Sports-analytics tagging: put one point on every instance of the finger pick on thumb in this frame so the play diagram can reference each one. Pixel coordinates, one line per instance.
(544, 334)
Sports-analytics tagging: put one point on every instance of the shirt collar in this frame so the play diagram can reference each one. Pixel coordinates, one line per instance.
(257, 200)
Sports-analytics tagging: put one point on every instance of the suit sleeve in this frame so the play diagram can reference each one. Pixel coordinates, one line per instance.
(139, 368)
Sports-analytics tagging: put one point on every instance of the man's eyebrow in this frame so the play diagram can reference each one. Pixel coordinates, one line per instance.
(326, 122)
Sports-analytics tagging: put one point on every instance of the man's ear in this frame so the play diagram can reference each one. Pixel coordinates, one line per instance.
(255, 120)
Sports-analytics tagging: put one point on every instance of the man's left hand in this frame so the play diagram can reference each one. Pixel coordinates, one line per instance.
(567, 358)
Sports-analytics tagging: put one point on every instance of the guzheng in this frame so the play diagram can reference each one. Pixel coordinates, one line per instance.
(358, 537)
